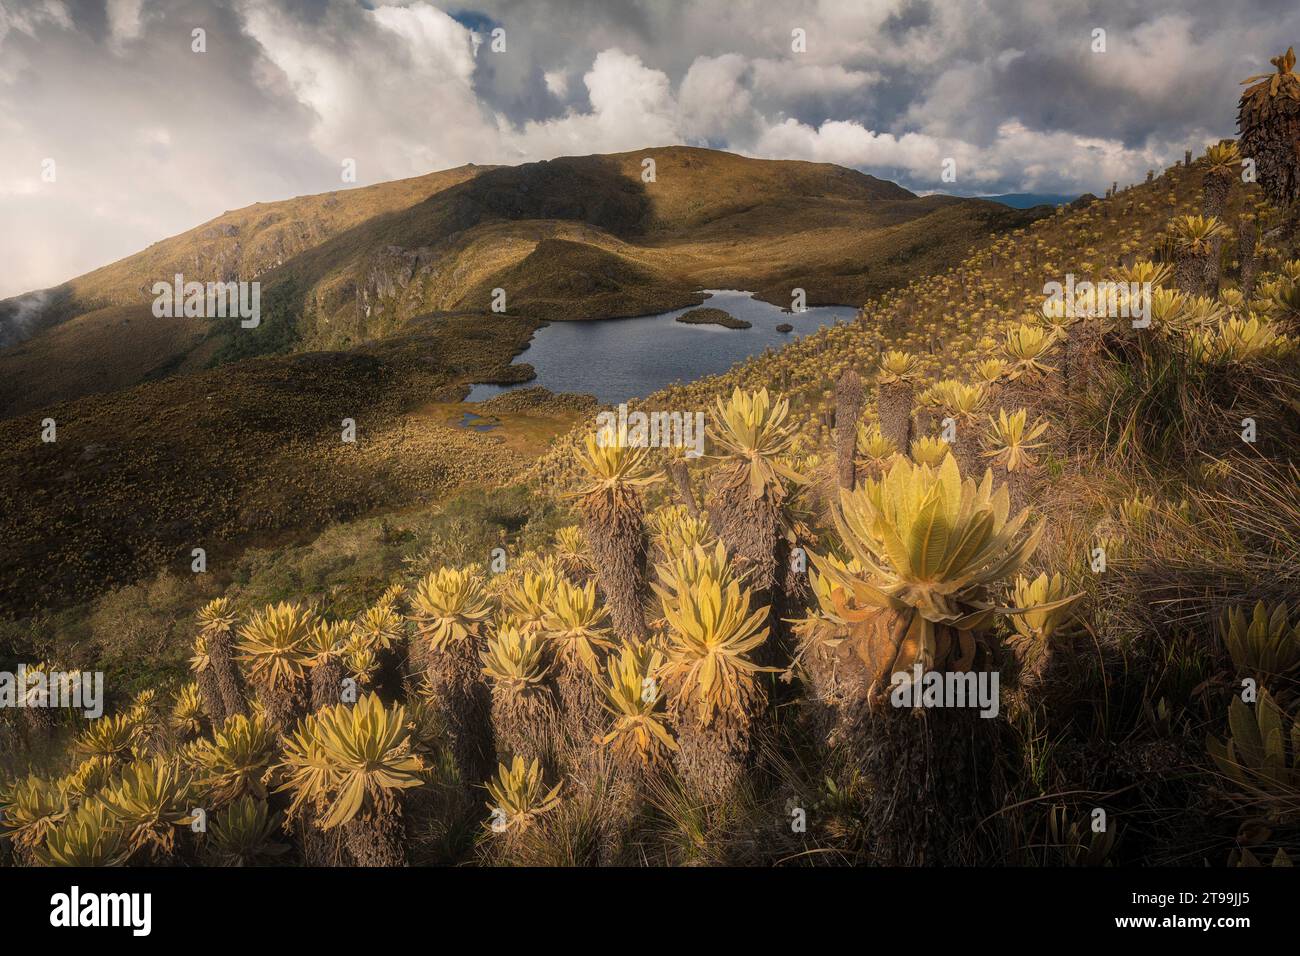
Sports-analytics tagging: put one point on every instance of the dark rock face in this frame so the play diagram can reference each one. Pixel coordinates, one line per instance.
(392, 271)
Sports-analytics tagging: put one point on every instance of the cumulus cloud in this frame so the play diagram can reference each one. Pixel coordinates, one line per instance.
(124, 21)
(151, 139)
(391, 89)
(631, 105)
(715, 104)
(557, 83)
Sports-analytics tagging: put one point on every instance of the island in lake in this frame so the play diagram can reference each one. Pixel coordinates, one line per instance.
(709, 316)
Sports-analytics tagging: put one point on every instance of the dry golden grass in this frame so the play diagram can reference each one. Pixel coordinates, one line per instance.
(138, 478)
(100, 351)
(574, 238)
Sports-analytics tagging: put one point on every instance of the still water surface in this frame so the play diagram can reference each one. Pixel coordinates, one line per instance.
(619, 359)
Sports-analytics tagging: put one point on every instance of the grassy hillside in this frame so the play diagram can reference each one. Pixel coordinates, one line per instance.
(243, 243)
(947, 316)
(99, 351)
(218, 458)
(96, 333)
(709, 219)
(1119, 557)
(573, 238)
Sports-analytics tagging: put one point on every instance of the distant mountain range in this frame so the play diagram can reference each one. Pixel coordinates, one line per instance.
(1029, 200)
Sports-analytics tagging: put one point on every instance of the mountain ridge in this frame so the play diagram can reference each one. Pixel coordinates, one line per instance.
(363, 263)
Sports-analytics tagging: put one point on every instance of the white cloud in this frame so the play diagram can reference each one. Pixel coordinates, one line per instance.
(557, 83)
(791, 78)
(1035, 161)
(852, 144)
(1137, 59)
(393, 91)
(26, 17)
(151, 139)
(124, 21)
(19, 17)
(715, 102)
(632, 105)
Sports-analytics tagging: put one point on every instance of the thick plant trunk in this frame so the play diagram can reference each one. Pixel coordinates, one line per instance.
(526, 724)
(1215, 189)
(618, 549)
(1246, 257)
(925, 423)
(794, 589)
(210, 692)
(1213, 259)
(377, 839)
(1214, 193)
(681, 476)
(967, 450)
(1190, 271)
(1023, 393)
(464, 707)
(1272, 145)
(894, 409)
(580, 704)
(848, 409)
(835, 677)
(417, 657)
(284, 706)
(711, 759)
(750, 528)
(326, 683)
(221, 655)
(1078, 355)
(322, 847)
(929, 775)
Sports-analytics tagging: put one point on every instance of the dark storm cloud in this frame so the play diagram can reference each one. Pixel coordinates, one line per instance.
(913, 15)
(151, 138)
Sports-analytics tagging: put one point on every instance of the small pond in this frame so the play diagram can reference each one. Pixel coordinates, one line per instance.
(619, 359)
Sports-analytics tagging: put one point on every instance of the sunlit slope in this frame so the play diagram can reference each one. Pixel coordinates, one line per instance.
(573, 238)
(951, 317)
(240, 244)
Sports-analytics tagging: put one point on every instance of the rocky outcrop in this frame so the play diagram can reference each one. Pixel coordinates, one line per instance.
(391, 285)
